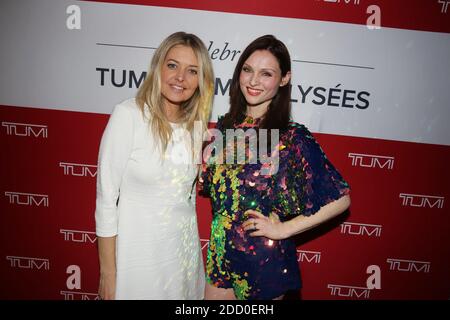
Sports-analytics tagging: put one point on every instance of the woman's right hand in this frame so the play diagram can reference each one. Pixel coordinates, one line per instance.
(107, 286)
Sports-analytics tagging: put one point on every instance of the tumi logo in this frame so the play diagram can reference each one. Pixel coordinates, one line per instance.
(29, 263)
(27, 199)
(422, 201)
(309, 256)
(354, 2)
(25, 129)
(349, 291)
(74, 295)
(79, 169)
(371, 161)
(444, 5)
(78, 236)
(409, 265)
(361, 229)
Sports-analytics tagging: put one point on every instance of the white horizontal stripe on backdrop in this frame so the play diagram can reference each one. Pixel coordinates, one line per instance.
(387, 84)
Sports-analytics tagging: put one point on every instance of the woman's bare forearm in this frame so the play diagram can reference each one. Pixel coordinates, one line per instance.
(302, 223)
(107, 254)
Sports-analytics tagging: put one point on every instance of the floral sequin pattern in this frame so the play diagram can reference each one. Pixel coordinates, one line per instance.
(257, 267)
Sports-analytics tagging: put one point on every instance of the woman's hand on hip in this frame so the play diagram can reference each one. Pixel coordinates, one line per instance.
(270, 227)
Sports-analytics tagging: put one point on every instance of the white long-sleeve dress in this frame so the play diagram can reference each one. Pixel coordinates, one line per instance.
(144, 200)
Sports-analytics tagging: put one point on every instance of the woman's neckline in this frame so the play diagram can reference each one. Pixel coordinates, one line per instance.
(252, 118)
(175, 124)
(249, 121)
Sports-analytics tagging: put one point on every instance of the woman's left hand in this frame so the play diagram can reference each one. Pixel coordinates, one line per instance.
(269, 227)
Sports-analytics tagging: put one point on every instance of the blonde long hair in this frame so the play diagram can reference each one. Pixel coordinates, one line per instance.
(197, 108)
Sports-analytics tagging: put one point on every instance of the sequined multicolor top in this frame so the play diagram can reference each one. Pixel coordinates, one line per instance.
(305, 181)
(302, 182)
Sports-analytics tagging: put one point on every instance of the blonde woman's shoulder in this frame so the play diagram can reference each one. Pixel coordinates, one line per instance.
(132, 107)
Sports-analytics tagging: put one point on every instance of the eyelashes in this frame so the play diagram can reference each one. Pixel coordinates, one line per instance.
(173, 66)
(247, 69)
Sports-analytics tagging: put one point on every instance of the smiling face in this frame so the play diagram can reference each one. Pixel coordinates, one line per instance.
(259, 80)
(179, 75)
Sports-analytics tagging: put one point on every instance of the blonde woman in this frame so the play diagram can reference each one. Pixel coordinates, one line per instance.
(146, 225)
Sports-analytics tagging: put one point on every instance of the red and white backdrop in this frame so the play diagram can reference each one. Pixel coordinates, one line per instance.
(370, 80)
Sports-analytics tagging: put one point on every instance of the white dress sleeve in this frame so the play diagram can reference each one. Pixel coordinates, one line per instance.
(115, 149)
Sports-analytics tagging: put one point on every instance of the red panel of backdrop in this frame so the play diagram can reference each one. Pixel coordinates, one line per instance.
(398, 220)
(393, 243)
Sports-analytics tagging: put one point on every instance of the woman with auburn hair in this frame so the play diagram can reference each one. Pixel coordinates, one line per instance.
(146, 224)
(259, 206)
